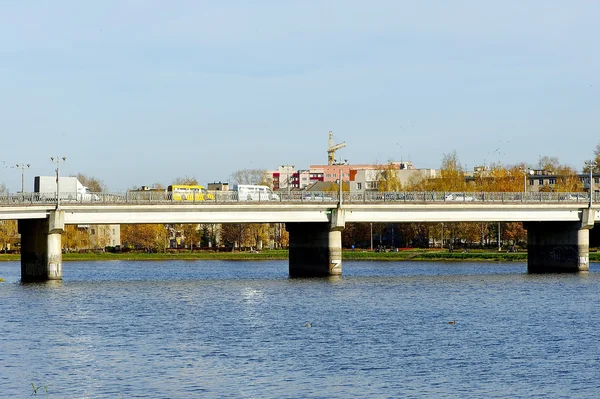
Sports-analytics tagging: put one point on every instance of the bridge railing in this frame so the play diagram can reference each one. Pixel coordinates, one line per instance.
(224, 197)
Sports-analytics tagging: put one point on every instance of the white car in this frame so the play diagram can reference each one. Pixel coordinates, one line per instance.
(317, 197)
(459, 198)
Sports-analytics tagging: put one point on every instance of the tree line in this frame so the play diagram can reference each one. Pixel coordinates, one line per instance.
(497, 178)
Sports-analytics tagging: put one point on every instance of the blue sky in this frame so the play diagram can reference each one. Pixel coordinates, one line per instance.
(139, 92)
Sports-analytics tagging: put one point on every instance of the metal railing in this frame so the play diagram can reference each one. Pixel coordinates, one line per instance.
(225, 197)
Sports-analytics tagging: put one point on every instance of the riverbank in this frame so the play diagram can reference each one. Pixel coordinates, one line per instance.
(404, 255)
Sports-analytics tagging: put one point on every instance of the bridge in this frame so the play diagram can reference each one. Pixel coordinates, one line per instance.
(557, 223)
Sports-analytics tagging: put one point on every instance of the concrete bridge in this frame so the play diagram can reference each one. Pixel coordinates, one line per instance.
(557, 223)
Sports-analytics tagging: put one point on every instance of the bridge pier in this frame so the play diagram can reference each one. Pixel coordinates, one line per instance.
(316, 248)
(555, 247)
(41, 248)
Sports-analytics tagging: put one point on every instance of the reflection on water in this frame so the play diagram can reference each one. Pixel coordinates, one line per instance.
(245, 329)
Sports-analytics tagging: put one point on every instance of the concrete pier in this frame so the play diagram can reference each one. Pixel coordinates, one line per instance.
(554, 247)
(316, 248)
(41, 248)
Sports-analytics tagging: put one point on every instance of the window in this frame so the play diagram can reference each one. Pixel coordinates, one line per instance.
(359, 186)
(552, 180)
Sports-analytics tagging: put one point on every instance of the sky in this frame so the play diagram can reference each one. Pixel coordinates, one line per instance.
(141, 92)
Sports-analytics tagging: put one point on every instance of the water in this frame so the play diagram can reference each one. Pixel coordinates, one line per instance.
(215, 329)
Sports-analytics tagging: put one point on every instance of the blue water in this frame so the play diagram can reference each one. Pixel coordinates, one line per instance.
(217, 329)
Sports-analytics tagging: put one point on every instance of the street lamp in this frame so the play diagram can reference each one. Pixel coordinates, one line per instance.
(525, 173)
(57, 162)
(591, 164)
(22, 166)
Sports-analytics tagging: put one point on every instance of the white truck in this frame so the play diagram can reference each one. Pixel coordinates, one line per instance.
(71, 189)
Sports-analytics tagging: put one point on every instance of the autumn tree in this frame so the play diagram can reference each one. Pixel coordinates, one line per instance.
(567, 180)
(149, 237)
(8, 234)
(387, 178)
(514, 233)
(191, 234)
(452, 176)
(74, 238)
(256, 234)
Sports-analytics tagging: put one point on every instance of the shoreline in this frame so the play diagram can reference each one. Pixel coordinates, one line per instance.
(360, 255)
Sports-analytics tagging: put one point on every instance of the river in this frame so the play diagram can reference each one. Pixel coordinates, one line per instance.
(221, 329)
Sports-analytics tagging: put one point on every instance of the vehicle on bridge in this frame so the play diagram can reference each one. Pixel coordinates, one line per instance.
(252, 192)
(318, 196)
(71, 189)
(183, 192)
(460, 197)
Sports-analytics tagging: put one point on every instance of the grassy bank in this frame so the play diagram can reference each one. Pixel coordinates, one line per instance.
(406, 255)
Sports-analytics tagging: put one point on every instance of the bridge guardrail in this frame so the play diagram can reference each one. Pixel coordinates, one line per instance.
(225, 197)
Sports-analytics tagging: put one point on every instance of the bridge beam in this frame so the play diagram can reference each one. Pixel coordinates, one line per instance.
(41, 248)
(316, 248)
(555, 247)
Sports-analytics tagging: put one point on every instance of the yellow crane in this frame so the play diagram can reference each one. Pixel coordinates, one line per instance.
(332, 148)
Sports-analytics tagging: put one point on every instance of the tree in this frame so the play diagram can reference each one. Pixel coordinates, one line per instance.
(252, 176)
(74, 238)
(95, 185)
(186, 181)
(586, 167)
(548, 164)
(8, 234)
(191, 234)
(387, 177)
(567, 180)
(452, 175)
(149, 237)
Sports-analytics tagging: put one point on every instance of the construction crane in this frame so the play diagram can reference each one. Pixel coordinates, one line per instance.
(332, 148)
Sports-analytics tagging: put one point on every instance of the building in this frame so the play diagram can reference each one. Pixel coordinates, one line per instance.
(104, 235)
(218, 186)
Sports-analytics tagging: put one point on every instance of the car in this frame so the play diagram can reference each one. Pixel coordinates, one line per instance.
(459, 198)
(317, 197)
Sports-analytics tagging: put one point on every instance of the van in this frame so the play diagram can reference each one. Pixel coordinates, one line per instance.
(251, 192)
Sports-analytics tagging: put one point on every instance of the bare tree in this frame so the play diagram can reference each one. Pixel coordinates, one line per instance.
(186, 180)
(549, 164)
(586, 167)
(252, 176)
(95, 185)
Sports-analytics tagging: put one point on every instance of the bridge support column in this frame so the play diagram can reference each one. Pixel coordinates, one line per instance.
(316, 248)
(554, 247)
(41, 248)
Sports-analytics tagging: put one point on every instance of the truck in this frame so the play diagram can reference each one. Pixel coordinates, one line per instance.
(71, 189)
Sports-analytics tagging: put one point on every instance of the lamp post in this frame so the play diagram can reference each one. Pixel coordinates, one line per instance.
(525, 173)
(22, 166)
(591, 164)
(57, 162)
